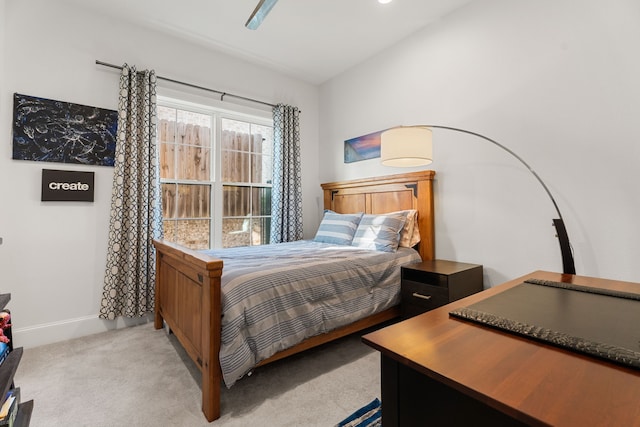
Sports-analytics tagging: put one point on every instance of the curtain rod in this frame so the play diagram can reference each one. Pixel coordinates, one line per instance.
(222, 94)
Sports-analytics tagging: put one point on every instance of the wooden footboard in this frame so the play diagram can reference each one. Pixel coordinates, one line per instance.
(187, 296)
(187, 299)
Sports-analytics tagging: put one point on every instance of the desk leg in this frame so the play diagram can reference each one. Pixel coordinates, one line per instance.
(390, 392)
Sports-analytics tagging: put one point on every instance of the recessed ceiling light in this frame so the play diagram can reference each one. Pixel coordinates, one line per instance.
(384, 1)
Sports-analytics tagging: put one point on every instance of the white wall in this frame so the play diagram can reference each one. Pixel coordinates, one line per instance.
(2, 44)
(555, 81)
(2, 61)
(53, 256)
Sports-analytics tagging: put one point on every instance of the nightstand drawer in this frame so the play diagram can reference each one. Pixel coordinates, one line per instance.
(426, 296)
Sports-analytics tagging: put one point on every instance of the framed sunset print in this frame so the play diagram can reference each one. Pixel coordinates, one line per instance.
(362, 148)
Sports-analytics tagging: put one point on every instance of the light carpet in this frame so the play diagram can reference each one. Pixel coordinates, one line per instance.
(141, 377)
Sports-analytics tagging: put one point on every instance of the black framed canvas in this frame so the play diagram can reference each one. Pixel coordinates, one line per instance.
(55, 131)
(67, 186)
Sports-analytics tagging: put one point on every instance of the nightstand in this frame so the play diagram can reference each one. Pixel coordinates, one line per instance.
(430, 284)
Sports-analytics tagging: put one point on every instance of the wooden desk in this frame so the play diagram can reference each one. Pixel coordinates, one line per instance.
(439, 370)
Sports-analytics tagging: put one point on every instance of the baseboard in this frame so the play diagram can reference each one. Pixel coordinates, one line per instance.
(47, 333)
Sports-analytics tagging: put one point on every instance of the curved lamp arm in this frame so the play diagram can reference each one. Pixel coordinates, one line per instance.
(563, 238)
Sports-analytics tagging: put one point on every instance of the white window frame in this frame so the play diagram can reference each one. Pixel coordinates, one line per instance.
(217, 113)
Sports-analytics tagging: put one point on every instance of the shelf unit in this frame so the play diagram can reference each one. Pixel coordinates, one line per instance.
(8, 370)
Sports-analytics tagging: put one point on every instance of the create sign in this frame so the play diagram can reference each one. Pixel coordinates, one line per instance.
(59, 185)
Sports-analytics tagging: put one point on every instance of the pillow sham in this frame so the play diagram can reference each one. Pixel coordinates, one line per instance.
(415, 236)
(410, 233)
(379, 232)
(338, 229)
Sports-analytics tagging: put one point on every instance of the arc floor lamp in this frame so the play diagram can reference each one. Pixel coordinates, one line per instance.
(408, 146)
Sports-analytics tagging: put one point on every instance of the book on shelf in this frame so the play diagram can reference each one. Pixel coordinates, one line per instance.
(4, 351)
(9, 408)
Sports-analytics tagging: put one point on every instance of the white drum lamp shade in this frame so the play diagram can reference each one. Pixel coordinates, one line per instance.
(406, 146)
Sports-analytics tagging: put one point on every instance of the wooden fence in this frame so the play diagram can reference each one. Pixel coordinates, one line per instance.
(185, 154)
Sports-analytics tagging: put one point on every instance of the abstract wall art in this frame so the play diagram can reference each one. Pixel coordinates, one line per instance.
(362, 148)
(55, 131)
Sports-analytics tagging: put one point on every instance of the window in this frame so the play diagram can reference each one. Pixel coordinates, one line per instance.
(215, 173)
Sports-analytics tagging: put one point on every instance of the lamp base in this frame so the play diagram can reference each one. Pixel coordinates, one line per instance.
(568, 266)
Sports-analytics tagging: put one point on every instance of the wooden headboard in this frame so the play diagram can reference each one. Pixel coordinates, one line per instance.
(389, 193)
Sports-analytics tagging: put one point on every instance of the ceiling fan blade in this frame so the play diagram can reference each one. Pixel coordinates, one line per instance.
(259, 13)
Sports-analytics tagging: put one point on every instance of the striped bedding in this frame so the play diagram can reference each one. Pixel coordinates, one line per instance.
(275, 296)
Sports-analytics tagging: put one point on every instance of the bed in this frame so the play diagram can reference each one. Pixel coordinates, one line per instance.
(188, 296)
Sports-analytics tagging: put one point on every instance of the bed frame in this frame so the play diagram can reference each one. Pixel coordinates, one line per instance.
(187, 294)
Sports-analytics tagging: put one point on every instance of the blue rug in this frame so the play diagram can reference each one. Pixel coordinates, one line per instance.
(368, 416)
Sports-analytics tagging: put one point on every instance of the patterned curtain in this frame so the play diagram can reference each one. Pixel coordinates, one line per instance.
(286, 196)
(136, 215)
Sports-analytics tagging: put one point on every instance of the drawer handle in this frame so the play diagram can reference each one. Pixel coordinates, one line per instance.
(417, 295)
